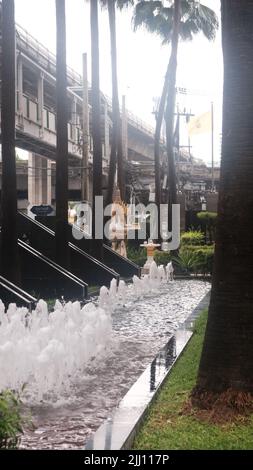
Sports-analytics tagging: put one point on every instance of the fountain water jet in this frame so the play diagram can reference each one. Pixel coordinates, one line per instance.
(48, 350)
(44, 349)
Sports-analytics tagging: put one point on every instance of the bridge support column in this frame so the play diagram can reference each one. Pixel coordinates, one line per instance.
(107, 132)
(74, 119)
(39, 180)
(85, 174)
(19, 85)
(124, 129)
(49, 182)
(41, 102)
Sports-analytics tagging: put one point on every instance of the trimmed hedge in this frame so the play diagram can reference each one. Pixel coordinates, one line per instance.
(207, 216)
(191, 259)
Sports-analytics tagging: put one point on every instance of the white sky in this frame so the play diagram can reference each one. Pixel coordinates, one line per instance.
(142, 61)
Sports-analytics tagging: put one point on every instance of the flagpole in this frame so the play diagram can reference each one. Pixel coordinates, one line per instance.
(212, 144)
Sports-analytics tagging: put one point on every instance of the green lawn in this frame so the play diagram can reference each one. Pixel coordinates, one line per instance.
(167, 428)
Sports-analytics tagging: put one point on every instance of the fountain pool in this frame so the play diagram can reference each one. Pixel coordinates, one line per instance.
(142, 319)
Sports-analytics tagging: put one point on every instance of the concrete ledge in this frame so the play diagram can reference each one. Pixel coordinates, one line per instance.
(120, 428)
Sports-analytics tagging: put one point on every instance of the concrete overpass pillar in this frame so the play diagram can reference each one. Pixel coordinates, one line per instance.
(124, 127)
(41, 103)
(39, 180)
(107, 132)
(19, 84)
(74, 119)
(85, 173)
(49, 182)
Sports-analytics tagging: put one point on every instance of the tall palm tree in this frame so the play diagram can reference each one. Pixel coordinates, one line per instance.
(181, 19)
(61, 230)
(116, 157)
(9, 245)
(97, 245)
(227, 356)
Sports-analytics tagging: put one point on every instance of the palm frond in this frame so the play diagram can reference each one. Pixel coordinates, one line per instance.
(154, 17)
(206, 20)
(157, 19)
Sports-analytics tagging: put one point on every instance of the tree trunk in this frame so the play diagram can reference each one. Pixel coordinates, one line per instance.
(9, 246)
(159, 121)
(116, 148)
(170, 109)
(61, 190)
(121, 163)
(97, 245)
(227, 355)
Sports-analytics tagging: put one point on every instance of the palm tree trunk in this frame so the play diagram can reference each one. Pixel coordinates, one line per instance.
(170, 108)
(116, 148)
(61, 232)
(159, 121)
(9, 246)
(120, 160)
(227, 355)
(97, 245)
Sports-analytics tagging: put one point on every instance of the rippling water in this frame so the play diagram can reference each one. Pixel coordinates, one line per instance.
(140, 329)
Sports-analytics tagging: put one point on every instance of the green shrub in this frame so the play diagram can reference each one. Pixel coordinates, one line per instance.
(138, 256)
(162, 257)
(10, 420)
(188, 261)
(192, 238)
(204, 257)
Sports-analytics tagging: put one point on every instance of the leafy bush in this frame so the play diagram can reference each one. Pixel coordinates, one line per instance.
(206, 258)
(192, 238)
(202, 257)
(138, 256)
(162, 257)
(10, 420)
(188, 261)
